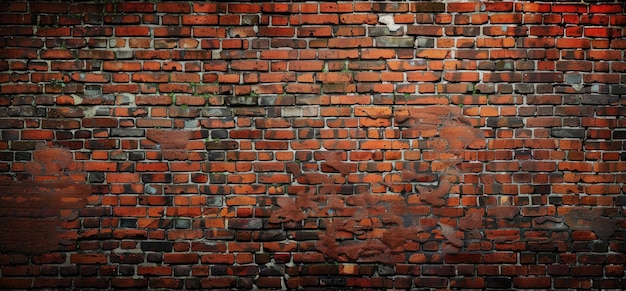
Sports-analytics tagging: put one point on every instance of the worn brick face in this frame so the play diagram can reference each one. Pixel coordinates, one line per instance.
(35, 208)
(316, 145)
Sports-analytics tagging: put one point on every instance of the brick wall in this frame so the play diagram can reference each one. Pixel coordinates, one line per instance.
(274, 145)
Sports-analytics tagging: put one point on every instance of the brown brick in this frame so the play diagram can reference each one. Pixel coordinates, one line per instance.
(532, 282)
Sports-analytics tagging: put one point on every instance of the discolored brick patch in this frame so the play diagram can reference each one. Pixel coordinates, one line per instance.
(590, 219)
(36, 213)
(379, 218)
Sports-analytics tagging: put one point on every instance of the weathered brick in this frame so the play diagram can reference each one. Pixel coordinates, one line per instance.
(532, 282)
(350, 128)
(568, 132)
(427, 7)
(88, 259)
(184, 258)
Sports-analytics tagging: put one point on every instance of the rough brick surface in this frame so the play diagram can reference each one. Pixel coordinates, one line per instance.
(284, 145)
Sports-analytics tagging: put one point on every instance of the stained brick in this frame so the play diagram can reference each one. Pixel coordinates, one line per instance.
(427, 7)
(532, 282)
(394, 41)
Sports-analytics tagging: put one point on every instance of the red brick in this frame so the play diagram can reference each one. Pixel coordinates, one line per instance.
(18, 283)
(154, 270)
(249, 8)
(314, 32)
(307, 19)
(602, 32)
(45, 8)
(425, 30)
(532, 282)
(462, 7)
(467, 283)
(173, 7)
(132, 31)
(358, 19)
(569, 8)
(279, 8)
(276, 31)
(564, 43)
(505, 18)
(219, 282)
(190, 258)
(129, 283)
(350, 43)
(88, 259)
(606, 8)
(37, 134)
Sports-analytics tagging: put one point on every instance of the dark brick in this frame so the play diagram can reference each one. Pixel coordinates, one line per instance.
(435, 7)
(543, 77)
(542, 189)
(222, 145)
(499, 283)
(270, 235)
(568, 132)
(514, 122)
(127, 132)
(244, 283)
(463, 258)
(22, 156)
(245, 223)
(154, 178)
(597, 99)
(96, 177)
(390, 7)
(243, 101)
(443, 270)
(619, 134)
(156, 246)
(618, 89)
(136, 155)
(250, 270)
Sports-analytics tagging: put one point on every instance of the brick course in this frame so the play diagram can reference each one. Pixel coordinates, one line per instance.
(353, 145)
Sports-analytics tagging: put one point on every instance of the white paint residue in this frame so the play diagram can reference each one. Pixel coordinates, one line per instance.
(388, 20)
(77, 99)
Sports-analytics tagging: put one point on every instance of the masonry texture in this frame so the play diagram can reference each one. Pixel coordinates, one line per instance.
(313, 145)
